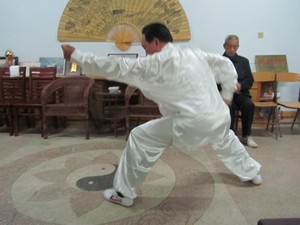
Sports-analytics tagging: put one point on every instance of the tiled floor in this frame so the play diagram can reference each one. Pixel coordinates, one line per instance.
(60, 181)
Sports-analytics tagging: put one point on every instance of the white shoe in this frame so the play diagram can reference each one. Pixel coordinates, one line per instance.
(112, 196)
(257, 180)
(248, 140)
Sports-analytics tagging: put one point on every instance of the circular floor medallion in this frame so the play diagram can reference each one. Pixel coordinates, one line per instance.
(64, 186)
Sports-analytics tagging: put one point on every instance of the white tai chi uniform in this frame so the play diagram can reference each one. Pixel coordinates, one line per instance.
(182, 82)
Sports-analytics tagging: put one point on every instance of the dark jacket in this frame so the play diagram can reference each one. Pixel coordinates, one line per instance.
(242, 66)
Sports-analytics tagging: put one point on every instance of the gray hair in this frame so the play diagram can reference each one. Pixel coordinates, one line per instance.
(230, 37)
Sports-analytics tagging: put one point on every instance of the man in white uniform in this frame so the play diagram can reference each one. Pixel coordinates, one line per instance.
(182, 82)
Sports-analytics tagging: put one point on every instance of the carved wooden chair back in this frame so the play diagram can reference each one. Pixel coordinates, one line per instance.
(12, 90)
(72, 97)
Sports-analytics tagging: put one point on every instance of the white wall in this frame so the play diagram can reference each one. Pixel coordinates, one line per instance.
(29, 27)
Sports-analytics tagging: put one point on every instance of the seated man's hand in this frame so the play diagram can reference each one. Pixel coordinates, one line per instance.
(67, 50)
(238, 88)
(228, 102)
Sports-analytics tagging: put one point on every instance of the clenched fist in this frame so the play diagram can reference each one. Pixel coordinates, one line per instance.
(67, 50)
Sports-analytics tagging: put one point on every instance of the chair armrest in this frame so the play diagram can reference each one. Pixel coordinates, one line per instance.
(49, 90)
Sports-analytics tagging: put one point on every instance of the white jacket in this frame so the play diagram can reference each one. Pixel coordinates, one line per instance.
(182, 82)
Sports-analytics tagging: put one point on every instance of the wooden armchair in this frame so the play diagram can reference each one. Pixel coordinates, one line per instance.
(265, 100)
(289, 77)
(39, 77)
(12, 91)
(72, 94)
(138, 108)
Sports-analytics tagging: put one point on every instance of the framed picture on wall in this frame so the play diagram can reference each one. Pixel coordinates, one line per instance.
(126, 55)
(58, 62)
(272, 63)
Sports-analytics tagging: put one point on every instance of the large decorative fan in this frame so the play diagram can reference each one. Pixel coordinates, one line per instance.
(120, 21)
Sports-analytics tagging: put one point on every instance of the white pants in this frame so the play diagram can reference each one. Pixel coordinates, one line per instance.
(147, 142)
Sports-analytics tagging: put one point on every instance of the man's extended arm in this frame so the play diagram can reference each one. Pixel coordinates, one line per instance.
(119, 69)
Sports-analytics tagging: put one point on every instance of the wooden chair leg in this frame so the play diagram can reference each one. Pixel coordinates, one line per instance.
(16, 121)
(236, 123)
(236, 119)
(127, 127)
(87, 128)
(295, 119)
(41, 117)
(10, 121)
(44, 127)
(271, 114)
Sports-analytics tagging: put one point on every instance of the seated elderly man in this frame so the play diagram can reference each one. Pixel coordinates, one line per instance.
(242, 98)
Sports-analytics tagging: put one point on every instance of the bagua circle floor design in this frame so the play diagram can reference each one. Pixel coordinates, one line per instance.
(64, 186)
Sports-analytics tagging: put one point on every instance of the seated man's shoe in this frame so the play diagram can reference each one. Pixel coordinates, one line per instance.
(257, 180)
(248, 140)
(112, 196)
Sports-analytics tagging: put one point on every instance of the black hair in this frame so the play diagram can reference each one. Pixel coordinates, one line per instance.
(157, 30)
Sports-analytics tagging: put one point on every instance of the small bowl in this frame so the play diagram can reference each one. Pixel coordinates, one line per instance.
(113, 89)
